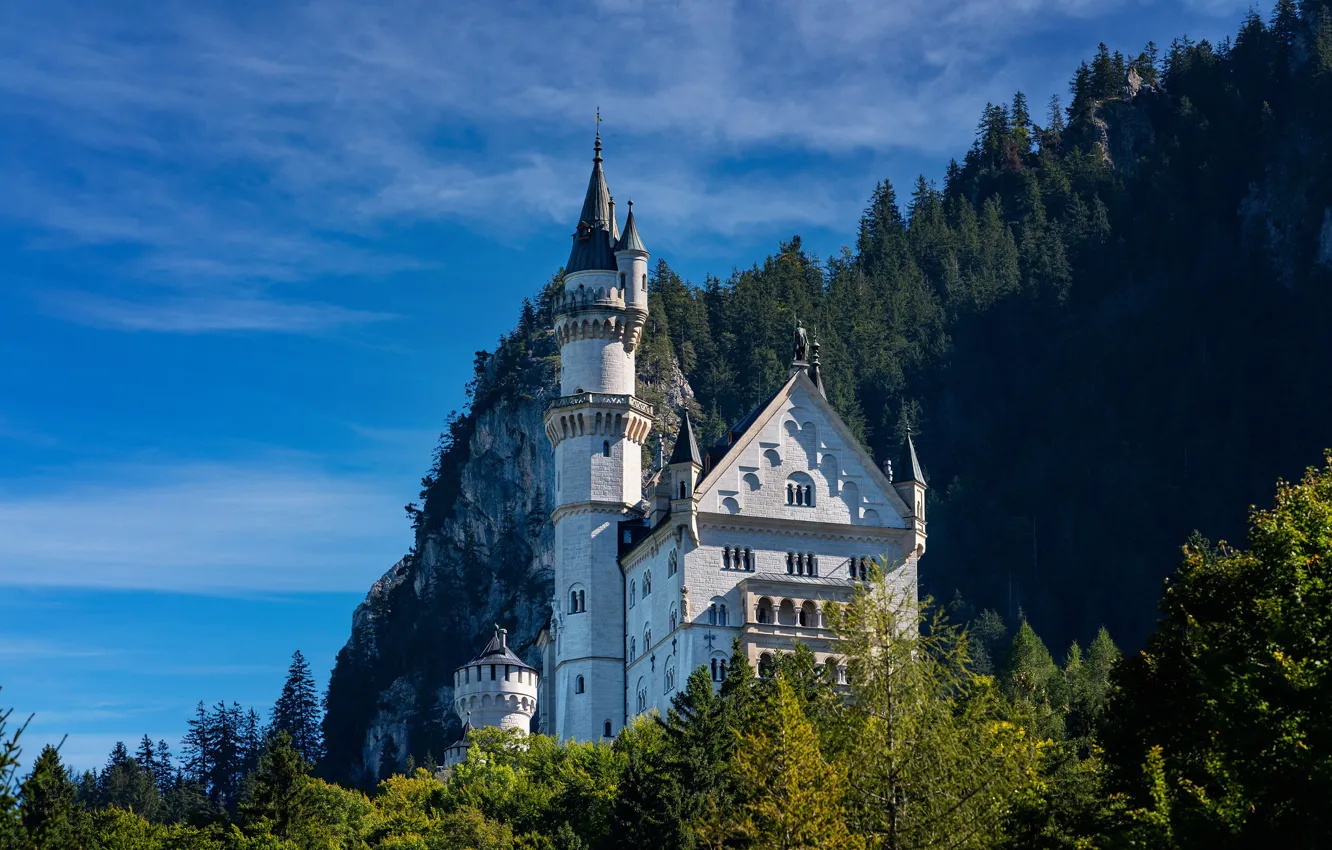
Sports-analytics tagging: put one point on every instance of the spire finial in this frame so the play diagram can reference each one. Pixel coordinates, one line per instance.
(597, 146)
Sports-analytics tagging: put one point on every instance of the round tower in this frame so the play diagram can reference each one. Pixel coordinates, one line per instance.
(497, 688)
(597, 427)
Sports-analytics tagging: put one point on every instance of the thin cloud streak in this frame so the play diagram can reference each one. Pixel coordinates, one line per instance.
(202, 528)
(194, 315)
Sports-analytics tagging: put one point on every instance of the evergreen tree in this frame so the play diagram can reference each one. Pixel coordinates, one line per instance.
(281, 797)
(123, 784)
(297, 710)
(164, 770)
(791, 795)
(9, 764)
(50, 813)
(934, 761)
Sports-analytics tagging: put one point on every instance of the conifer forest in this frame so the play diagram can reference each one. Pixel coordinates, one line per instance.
(1115, 311)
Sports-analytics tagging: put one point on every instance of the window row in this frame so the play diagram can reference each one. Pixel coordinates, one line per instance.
(802, 564)
(647, 588)
(735, 558)
(510, 673)
(787, 614)
(830, 670)
(801, 495)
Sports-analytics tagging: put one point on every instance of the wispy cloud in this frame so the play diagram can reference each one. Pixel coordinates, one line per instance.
(203, 313)
(278, 144)
(201, 528)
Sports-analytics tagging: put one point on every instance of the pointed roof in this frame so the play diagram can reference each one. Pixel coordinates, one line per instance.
(630, 241)
(686, 444)
(498, 652)
(910, 465)
(744, 432)
(592, 245)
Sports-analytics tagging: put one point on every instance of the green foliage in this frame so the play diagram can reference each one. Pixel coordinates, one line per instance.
(1232, 685)
(297, 710)
(51, 816)
(935, 759)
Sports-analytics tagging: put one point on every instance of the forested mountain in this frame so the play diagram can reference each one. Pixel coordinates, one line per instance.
(1107, 326)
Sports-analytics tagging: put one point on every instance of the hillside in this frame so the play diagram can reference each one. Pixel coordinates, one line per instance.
(1106, 327)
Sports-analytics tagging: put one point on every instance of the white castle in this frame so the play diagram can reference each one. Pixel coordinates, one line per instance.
(748, 539)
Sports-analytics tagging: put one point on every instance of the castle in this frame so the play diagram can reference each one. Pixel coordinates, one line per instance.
(749, 538)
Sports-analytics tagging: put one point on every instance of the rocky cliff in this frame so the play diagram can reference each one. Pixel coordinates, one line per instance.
(481, 555)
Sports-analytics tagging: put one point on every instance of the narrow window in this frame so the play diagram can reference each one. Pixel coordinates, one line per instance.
(506, 672)
(606, 730)
(578, 685)
(582, 601)
(605, 448)
(721, 618)
(712, 614)
(633, 593)
(573, 602)
(492, 672)
(790, 563)
(714, 669)
(621, 280)
(682, 489)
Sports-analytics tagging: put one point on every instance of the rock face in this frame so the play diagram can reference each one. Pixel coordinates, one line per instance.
(482, 556)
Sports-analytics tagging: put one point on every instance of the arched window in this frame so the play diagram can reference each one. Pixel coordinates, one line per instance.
(582, 601)
(674, 618)
(683, 492)
(672, 562)
(712, 614)
(721, 615)
(605, 448)
(764, 612)
(577, 600)
(579, 685)
(647, 638)
(647, 583)
(766, 665)
(645, 283)
(633, 648)
(718, 667)
(640, 703)
(669, 682)
(790, 563)
(714, 669)
(800, 490)
(633, 593)
(606, 729)
(809, 614)
(749, 560)
(726, 557)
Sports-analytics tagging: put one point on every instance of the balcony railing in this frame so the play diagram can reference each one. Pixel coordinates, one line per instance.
(603, 400)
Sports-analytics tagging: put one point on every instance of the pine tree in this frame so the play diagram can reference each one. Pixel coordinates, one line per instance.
(280, 798)
(791, 794)
(123, 784)
(146, 755)
(50, 813)
(297, 710)
(935, 760)
(9, 764)
(164, 771)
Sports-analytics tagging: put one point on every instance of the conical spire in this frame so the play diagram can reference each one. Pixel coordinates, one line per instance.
(910, 466)
(686, 444)
(592, 245)
(630, 241)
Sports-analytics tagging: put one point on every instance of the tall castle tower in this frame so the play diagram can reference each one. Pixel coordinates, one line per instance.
(597, 427)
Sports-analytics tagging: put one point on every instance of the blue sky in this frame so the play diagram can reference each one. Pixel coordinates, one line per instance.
(247, 251)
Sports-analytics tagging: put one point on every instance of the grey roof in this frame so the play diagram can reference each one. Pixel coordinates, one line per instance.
(686, 445)
(910, 467)
(592, 245)
(630, 241)
(498, 652)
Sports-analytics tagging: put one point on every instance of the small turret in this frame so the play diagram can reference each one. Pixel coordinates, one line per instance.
(497, 688)
(685, 466)
(910, 483)
(631, 258)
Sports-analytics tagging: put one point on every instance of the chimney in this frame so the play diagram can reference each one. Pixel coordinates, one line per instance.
(504, 638)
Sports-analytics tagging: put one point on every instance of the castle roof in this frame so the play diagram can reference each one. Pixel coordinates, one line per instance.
(686, 444)
(593, 248)
(498, 652)
(630, 241)
(910, 465)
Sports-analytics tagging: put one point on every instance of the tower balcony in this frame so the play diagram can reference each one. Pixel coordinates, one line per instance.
(569, 302)
(598, 414)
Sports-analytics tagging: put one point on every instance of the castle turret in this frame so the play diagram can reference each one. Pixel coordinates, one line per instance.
(496, 688)
(910, 485)
(685, 467)
(597, 427)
